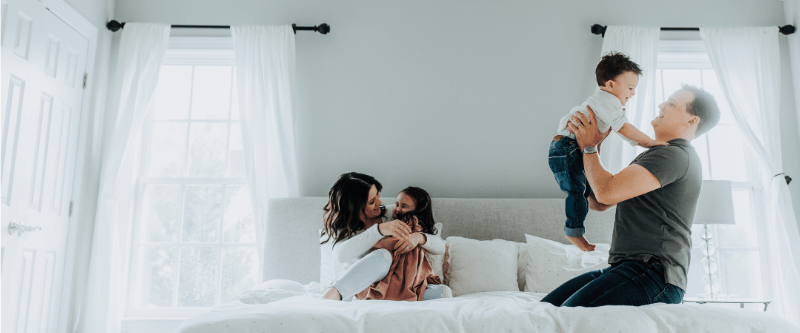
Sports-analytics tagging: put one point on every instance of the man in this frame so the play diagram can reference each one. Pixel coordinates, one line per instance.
(656, 197)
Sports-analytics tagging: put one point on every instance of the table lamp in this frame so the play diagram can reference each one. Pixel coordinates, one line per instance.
(715, 206)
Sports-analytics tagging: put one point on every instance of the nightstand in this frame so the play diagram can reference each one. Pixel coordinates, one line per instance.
(731, 300)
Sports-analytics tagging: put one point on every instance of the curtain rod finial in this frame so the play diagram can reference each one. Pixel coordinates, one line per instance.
(787, 29)
(324, 28)
(114, 25)
(599, 30)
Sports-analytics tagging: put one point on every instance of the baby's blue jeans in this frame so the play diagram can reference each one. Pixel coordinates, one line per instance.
(372, 268)
(566, 162)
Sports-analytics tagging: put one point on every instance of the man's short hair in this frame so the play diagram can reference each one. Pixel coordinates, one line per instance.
(612, 65)
(704, 106)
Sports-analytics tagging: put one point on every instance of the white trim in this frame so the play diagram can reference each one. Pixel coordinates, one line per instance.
(151, 325)
(75, 20)
(208, 51)
(193, 181)
(200, 43)
(71, 17)
(683, 54)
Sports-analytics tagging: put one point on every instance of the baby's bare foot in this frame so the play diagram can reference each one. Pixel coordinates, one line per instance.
(332, 294)
(581, 243)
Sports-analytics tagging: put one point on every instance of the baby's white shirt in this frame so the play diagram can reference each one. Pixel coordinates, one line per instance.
(610, 113)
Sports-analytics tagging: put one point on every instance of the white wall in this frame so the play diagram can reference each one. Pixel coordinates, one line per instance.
(458, 97)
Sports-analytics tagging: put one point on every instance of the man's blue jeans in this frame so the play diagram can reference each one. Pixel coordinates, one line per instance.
(566, 162)
(630, 282)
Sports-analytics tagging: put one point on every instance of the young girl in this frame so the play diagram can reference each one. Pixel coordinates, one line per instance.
(381, 259)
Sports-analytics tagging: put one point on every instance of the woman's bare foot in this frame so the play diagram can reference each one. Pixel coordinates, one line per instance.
(333, 294)
(581, 243)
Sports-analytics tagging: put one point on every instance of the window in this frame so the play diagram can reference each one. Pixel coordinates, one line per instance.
(725, 156)
(194, 240)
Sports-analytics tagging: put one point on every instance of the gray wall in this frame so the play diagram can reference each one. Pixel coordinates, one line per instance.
(458, 97)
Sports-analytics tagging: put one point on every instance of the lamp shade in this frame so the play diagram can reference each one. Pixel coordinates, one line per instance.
(715, 205)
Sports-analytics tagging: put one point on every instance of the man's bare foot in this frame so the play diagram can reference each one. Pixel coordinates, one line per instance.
(333, 294)
(581, 243)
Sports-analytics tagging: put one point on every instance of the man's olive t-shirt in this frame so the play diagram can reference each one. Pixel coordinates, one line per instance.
(658, 223)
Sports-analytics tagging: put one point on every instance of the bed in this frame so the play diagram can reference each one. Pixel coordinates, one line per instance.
(288, 299)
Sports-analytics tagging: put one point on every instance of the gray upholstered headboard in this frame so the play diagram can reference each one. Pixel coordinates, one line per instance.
(292, 248)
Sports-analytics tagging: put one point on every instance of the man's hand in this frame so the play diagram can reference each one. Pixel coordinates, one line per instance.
(586, 131)
(409, 243)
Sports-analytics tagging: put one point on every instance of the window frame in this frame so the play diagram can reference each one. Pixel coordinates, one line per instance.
(692, 54)
(182, 51)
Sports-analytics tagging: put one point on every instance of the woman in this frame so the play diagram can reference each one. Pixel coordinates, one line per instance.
(375, 267)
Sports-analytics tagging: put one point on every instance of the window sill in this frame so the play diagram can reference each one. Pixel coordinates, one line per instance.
(151, 325)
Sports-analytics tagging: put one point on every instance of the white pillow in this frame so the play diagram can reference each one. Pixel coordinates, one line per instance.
(436, 260)
(551, 263)
(477, 266)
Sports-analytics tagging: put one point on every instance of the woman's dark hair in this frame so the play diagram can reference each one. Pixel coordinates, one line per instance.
(347, 199)
(612, 65)
(424, 208)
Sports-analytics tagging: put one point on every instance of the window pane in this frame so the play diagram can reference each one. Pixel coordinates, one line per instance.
(167, 149)
(711, 84)
(727, 154)
(694, 277)
(207, 145)
(701, 146)
(235, 98)
(173, 92)
(161, 212)
(239, 270)
(202, 213)
(158, 276)
(673, 78)
(239, 227)
(198, 276)
(744, 232)
(236, 152)
(741, 273)
(211, 93)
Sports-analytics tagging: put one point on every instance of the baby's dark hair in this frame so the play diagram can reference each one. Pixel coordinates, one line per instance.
(612, 65)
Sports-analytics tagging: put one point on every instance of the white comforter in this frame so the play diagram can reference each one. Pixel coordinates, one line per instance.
(286, 306)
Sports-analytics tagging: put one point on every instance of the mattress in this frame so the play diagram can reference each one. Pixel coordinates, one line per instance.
(287, 306)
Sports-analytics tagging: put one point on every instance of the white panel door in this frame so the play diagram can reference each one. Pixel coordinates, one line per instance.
(43, 61)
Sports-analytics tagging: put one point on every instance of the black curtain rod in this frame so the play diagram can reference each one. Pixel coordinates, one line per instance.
(323, 28)
(601, 29)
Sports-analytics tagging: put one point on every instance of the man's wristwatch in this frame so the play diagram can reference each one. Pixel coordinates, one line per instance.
(590, 150)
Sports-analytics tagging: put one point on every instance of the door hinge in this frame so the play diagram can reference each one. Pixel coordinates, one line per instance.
(70, 208)
(85, 78)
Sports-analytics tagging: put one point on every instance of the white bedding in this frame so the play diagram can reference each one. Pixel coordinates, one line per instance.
(286, 306)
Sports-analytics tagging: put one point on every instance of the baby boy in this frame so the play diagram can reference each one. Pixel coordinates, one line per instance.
(617, 77)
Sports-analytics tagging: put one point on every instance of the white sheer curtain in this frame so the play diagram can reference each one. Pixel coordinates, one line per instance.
(641, 45)
(747, 63)
(265, 74)
(141, 51)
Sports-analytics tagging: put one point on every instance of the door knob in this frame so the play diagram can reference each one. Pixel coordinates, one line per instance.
(20, 228)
